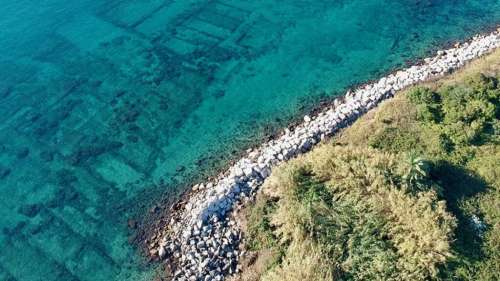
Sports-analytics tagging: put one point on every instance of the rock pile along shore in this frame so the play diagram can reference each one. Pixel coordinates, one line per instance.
(202, 239)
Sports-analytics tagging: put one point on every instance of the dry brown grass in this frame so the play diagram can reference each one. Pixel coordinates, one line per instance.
(397, 111)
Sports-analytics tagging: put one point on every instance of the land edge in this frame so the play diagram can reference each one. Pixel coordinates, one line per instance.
(161, 248)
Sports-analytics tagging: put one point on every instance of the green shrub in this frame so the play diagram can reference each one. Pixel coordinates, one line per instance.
(395, 139)
(464, 112)
(260, 231)
(428, 104)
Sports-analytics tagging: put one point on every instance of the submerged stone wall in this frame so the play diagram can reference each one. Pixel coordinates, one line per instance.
(202, 239)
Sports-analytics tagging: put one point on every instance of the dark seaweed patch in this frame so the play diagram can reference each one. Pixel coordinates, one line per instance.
(87, 152)
(30, 210)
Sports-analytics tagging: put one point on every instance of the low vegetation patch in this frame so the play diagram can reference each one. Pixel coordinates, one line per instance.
(410, 192)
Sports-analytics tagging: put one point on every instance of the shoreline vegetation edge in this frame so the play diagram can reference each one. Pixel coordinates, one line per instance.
(202, 239)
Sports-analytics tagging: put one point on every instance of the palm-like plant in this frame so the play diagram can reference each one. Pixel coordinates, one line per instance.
(416, 177)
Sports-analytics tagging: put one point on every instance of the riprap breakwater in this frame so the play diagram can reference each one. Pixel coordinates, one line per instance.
(202, 239)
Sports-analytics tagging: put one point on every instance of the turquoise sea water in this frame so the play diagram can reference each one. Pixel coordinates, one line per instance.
(106, 104)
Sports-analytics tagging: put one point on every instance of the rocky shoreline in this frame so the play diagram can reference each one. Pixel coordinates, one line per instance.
(202, 240)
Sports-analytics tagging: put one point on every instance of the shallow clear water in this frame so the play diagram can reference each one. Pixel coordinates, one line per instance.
(104, 104)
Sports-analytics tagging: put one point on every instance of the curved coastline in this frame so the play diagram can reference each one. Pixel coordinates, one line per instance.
(201, 242)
